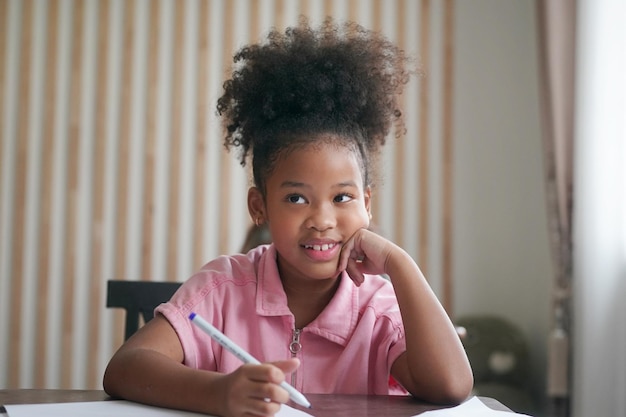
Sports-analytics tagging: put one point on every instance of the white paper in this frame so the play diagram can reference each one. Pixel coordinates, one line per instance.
(117, 408)
(470, 408)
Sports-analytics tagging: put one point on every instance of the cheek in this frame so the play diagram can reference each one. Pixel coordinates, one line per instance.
(282, 227)
(358, 220)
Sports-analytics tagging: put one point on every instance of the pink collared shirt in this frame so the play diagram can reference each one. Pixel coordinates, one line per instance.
(348, 349)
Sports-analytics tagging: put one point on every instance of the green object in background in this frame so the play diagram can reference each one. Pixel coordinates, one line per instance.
(499, 355)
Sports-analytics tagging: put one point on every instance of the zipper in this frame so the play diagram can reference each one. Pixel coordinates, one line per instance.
(295, 347)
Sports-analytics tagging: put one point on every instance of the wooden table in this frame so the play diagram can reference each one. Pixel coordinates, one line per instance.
(324, 405)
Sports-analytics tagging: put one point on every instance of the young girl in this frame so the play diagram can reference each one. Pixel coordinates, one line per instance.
(311, 109)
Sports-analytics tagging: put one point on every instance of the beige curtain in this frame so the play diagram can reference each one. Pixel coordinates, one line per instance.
(557, 29)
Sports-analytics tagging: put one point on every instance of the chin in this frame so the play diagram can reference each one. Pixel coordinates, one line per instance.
(322, 274)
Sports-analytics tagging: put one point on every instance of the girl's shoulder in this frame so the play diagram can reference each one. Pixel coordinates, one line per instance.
(236, 260)
(225, 272)
(375, 284)
(377, 294)
(218, 286)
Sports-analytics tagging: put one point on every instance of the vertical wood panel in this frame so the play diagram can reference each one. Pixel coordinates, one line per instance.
(82, 306)
(400, 185)
(137, 138)
(280, 14)
(45, 209)
(56, 267)
(5, 24)
(31, 248)
(448, 153)
(10, 72)
(376, 205)
(67, 360)
(163, 143)
(4, 224)
(149, 146)
(353, 11)
(328, 7)
(124, 139)
(424, 140)
(97, 224)
(410, 196)
(224, 171)
(110, 328)
(15, 351)
(174, 162)
(212, 191)
(188, 131)
(123, 158)
(203, 109)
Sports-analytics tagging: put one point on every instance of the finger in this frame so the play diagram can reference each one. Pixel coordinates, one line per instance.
(287, 365)
(250, 393)
(260, 399)
(261, 407)
(264, 373)
(264, 380)
(267, 378)
(344, 256)
(349, 252)
(269, 393)
(354, 272)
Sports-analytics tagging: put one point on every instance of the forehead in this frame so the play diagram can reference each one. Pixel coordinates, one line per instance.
(323, 162)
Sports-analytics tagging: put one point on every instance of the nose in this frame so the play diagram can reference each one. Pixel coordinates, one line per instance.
(321, 218)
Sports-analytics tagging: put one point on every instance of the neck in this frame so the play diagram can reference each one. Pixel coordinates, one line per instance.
(307, 300)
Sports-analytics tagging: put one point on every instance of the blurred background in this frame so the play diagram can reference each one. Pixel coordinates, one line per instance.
(113, 168)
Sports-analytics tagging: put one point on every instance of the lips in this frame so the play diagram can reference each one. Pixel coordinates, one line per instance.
(322, 251)
(322, 247)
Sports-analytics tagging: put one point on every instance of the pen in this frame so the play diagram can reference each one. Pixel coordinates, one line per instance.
(229, 345)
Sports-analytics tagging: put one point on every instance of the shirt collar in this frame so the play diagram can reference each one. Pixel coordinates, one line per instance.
(335, 323)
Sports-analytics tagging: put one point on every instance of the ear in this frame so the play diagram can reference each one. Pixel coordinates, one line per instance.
(367, 198)
(256, 206)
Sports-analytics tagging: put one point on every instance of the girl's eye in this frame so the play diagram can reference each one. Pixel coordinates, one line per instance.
(296, 199)
(343, 198)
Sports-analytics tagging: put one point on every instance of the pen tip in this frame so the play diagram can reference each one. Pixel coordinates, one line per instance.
(192, 315)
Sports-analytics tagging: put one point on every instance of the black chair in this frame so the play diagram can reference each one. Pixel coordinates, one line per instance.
(138, 297)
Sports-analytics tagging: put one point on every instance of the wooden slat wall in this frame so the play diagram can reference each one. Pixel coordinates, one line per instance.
(112, 164)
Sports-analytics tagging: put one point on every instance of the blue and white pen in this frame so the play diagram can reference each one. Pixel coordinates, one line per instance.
(229, 345)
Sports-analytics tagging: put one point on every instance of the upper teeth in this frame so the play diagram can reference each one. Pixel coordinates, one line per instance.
(325, 246)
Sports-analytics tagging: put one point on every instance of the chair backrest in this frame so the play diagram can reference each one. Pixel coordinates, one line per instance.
(138, 297)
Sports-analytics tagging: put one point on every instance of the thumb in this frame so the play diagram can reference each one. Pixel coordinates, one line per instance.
(287, 365)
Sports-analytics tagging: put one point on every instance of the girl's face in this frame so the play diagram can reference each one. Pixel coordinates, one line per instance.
(315, 201)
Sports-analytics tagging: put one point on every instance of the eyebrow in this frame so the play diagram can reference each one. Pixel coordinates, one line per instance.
(288, 184)
(296, 184)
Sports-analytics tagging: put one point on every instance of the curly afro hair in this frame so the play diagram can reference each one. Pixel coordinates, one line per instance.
(287, 91)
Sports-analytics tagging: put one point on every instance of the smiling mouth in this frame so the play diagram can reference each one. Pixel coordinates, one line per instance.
(324, 247)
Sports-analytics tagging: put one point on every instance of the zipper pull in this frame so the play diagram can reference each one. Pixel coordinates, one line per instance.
(295, 346)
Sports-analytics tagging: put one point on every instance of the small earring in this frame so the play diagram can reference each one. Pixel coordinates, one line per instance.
(258, 221)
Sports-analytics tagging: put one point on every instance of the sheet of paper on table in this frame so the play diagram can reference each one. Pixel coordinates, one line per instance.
(113, 408)
(470, 408)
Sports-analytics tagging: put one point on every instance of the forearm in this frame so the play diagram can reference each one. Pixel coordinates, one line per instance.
(149, 377)
(437, 368)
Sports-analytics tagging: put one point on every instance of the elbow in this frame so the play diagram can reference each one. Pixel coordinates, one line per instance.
(451, 390)
(110, 381)
(456, 390)
(455, 385)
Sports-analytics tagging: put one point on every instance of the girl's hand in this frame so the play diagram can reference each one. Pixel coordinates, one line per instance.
(254, 390)
(365, 253)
